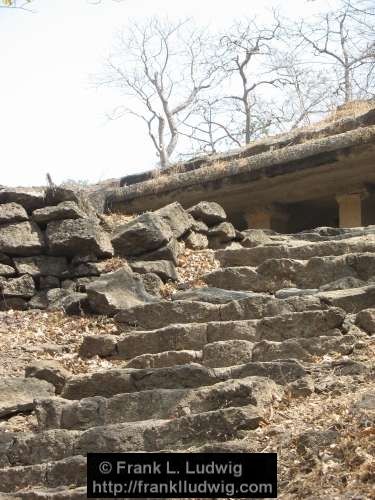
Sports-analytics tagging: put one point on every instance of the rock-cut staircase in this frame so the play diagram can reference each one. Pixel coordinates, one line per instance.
(200, 375)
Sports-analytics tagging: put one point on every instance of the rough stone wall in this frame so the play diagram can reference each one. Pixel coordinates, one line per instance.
(56, 253)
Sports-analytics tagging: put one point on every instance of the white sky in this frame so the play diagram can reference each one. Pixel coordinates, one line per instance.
(51, 118)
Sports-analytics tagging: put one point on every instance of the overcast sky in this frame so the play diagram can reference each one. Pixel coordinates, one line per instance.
(51, 118)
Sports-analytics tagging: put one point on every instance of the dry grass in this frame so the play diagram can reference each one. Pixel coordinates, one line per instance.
(349, 109)
(26, 336)
(113, 220)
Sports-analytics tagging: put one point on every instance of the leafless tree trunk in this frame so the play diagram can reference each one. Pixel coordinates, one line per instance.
(161, 68)
(246, 45)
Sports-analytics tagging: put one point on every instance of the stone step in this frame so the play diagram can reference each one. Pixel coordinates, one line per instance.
(237, 352)
(129, 380)
(159, 314)
(69, 471)
(189, 338)
(275, 274)
(298, 250)
(150, 435)
(352, 301)
(95, 411)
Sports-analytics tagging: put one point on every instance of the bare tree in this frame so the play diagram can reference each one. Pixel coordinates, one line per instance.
(305, 94)
(343, 41)
(161, 68)
(246, 62)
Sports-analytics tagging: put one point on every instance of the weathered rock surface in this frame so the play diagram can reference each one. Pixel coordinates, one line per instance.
(170, 251)
(70, 302)
(163, 268)
(49, 370)
(365, 319)
(117, 291)
(196, 241)
(223, 232)
(42, 265)
(12, 212)
(23, 287)
(17, 394)
(209, 212)
(6, 270)
(227, 353)
(81, 236)
(29, 198)
(177, 218)
(146, 232)
(211, 295)
(64, 210)
(22, 238)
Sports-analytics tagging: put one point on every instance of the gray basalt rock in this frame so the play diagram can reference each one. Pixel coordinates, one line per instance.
(146, 232)
(196, 241)
(200, 227)
(29, 198)
(22, 238)
(17, 394)
(15, 303)
(212, 295)
(224, 232)
(6, 270)
(152, 283)
(42, 265)
(117, 291)
(64, 210)
(170, 251)
(59, 194)
(70, 302)
(227, 353)
(12, 212)
(98, 345)
(177, 218)
(23, 287)
(209, 212)
(49, 370)
(81, 236)
(366, 321)
(163, 268)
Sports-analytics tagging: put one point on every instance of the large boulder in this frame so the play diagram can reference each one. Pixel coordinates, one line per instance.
(78, 237)
(23, 287)
(12, 212)
(147, 232)
(42, 265)
(117, 291)
(64, 210)
(17, 394)
(29, 198)
(22, 238)
(209, 212)
(177, 218)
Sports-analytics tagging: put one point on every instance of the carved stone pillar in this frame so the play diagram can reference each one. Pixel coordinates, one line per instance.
(273, 217)
(350, 209)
